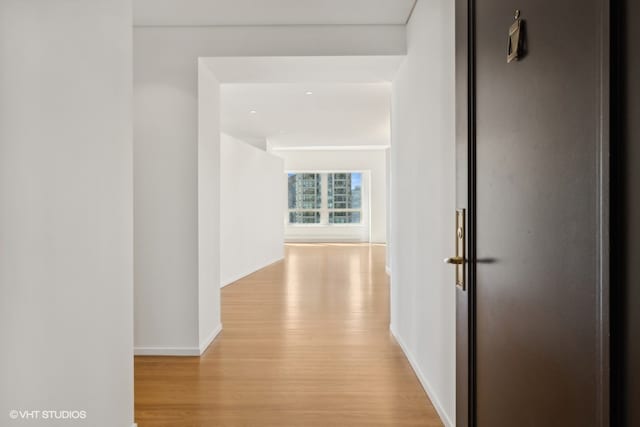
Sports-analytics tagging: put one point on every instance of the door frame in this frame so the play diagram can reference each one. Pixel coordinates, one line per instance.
(465, 69)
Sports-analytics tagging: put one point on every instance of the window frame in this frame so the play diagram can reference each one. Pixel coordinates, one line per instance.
(324, 204)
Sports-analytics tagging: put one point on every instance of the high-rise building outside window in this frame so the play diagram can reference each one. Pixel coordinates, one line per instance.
(344, 198)
(305, 198)
(325, 198)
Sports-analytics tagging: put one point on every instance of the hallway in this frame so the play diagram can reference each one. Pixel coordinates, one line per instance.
(305, 342)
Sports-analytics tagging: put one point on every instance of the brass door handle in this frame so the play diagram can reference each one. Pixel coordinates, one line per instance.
(459, 260)
(456, 260)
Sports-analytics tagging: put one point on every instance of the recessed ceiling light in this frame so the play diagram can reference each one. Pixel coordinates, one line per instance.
(253, 112)
(309, 93)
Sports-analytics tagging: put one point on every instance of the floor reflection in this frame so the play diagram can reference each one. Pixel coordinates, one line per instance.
(305, 342)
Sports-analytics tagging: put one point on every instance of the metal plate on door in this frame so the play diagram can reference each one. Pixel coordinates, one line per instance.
(460, 249)
(516, 38)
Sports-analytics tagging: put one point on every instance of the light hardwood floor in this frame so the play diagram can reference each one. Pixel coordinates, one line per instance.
(305, 342)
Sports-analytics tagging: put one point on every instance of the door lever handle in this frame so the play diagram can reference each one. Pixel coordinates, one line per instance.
(459, 260)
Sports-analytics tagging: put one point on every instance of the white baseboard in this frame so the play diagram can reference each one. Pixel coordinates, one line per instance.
(166, 351)
(178, 351)
(236, 277)
(325, 240)
(423, 380)
(204, 344)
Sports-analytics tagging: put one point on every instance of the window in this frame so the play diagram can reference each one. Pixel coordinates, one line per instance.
(344, 197)
(325, 198)
(305, 198)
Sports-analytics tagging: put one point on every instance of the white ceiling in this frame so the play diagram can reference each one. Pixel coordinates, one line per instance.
(336, 114)
(271, 12)
(349, 107)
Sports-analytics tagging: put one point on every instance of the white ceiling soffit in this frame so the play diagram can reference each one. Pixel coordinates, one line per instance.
(301, 69)
(308, 114)
(270, 12)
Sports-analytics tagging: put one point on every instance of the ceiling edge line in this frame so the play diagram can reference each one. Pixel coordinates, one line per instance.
(415, 2)
(331, 148)
(398, 24)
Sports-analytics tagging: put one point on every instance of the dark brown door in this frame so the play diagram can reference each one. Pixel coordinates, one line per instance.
(626, 211)
(538, 351)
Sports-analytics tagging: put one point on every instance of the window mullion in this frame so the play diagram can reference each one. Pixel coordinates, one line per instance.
(324, 206)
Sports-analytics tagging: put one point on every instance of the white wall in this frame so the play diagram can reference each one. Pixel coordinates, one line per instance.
(251, 209)
(166, 156)
(66, 255)
(423, 194)
(387, 171)
(208, 207)
(370, 161)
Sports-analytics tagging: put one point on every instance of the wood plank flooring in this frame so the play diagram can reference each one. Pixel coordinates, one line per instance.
(305, 342)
